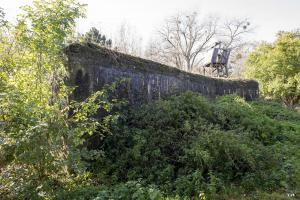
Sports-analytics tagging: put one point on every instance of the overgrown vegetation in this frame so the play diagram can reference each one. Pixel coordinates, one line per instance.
(41, 131)
(94, 36)
(182, 148)
(185, 147)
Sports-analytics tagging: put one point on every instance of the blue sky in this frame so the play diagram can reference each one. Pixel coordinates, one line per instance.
(268, 16)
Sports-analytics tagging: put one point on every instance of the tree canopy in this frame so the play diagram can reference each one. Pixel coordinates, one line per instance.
(41, 131)
(94, 35)
(276, 67)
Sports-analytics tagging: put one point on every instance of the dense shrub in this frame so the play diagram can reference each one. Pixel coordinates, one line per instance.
(185, 147)
(188, 146)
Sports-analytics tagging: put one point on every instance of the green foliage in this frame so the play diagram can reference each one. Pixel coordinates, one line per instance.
(131, 190)
(3, 22)
(41, 132)
(94, 36)
(185, 147)
(276, 67)
(41, 146)
(188, 146)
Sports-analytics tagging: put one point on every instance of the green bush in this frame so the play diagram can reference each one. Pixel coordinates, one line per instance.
(188, 146)
(185, 147)
(131, 190)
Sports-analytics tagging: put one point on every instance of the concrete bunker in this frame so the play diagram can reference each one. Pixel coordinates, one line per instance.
(91, 67)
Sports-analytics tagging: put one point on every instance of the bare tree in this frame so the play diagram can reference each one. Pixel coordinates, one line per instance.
(157, 51)
(183, 39)
(127, 41)
(232, 33)
(239, 57)
(153, 51)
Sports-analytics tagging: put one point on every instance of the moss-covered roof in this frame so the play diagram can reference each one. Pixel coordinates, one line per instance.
(96, 53)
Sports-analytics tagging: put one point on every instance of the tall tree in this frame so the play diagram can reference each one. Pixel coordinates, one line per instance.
(47, 25)
(238, 58)
(185, 37)
(276, 67)
(40, 131)
(127, 40)
(2, 18)
(232, 33)
(94, 35)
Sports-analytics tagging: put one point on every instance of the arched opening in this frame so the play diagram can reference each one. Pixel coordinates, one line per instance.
(82, 83)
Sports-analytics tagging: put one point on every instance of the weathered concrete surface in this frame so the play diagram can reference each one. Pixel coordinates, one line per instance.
(91, 67)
